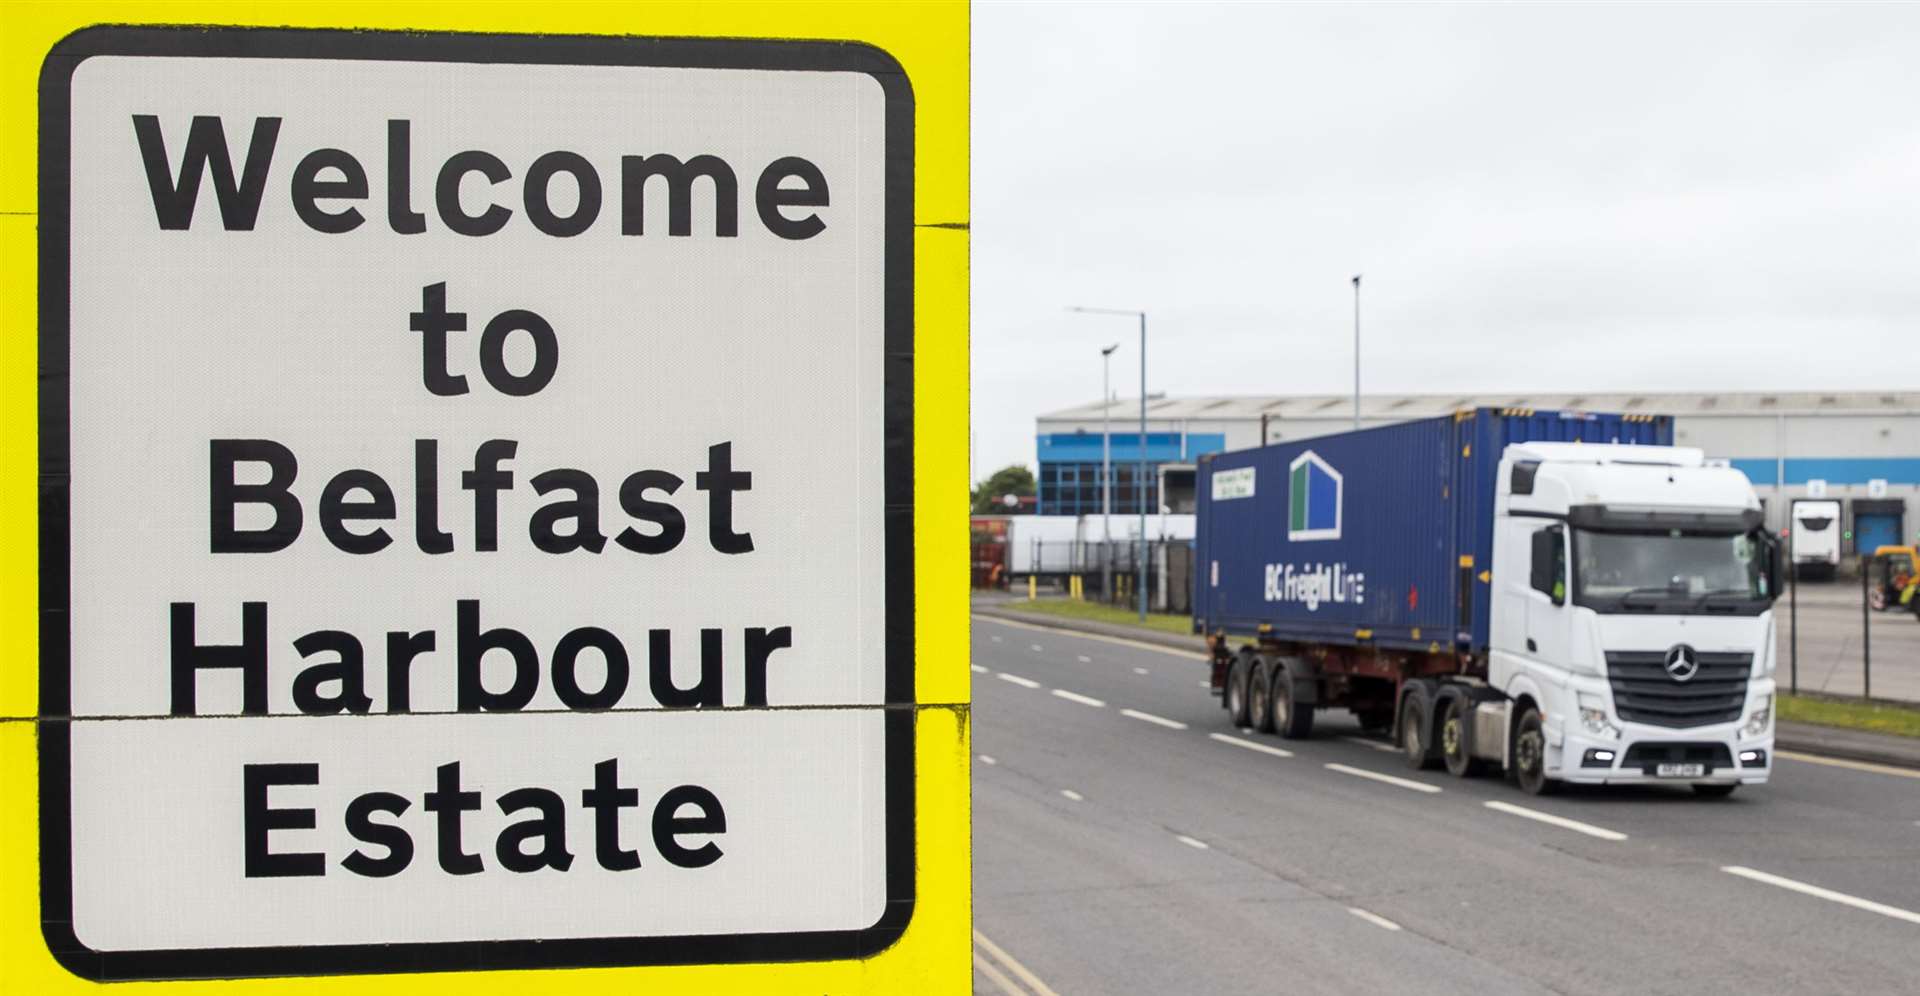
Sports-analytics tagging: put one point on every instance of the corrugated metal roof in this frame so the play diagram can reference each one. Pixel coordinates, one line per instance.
(1408, 406)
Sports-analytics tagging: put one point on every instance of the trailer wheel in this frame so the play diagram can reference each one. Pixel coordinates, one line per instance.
(1414, 745)
(1292, 720)
(1705, 791)
(1259, 695)
(1237, 691)
(1530, 755)
(1453, 739)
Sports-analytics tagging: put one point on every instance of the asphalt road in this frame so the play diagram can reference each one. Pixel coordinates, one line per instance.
(1128, 840)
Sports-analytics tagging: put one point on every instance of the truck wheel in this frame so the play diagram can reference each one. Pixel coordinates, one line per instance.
(1453, 739)
(1259, 691)
(1414, 742)
(1237, 692)
(1715, 791)
(1530, 755)
(1290, 719)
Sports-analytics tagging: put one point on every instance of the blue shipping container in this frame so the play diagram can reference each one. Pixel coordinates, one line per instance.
(1380, 536)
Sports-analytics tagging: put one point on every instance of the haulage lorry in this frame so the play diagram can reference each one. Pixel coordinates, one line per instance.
(1558, 596)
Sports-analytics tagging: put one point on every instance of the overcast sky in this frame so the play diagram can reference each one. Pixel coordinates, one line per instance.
(1543, 198)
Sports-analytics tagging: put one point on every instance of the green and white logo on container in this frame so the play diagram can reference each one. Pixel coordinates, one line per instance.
(1313, 498)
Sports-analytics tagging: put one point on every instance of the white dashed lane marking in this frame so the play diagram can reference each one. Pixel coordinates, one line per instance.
(1251, 745)
(1373, 918)
(1071, 794)
(1084, 700)
(1016, 679)
(1827, 894)
(1551, 820)
(1147, 717)
(1198, 845)
(1405, 783)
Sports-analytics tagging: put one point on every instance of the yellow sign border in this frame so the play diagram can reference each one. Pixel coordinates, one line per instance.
(930, 42)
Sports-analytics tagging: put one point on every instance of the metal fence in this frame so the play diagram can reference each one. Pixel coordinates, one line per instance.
(1835, 637)
(1053, 562)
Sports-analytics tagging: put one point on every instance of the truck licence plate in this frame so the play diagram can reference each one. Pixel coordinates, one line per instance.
(1679, 770)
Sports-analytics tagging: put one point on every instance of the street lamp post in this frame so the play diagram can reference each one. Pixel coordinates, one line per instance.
(1106, 471)
(1356, 351)
(1140, 480)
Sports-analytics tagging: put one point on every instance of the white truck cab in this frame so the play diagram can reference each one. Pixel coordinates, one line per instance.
(1631, 633)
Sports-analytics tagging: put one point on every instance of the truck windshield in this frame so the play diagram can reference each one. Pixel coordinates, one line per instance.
(1668, 572)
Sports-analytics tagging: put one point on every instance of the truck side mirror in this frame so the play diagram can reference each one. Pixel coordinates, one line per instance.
(1550, 563)
(1771, 550)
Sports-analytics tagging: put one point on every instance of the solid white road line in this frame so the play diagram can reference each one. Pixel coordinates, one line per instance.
(1373, 918)
(1071, 794)
(977, 669)
(1016, 679)
(995, 976)
(1251, 745)
(1199, 845)
(1827, 894)
(1077, 697)
(1195, 654)
(1139, 670)
(1559, 821)
(1841, 762)
(1375, 744)
(1171, 724)
(1405, 783)
(1084, 659)
(1021, 971)
(988, 759)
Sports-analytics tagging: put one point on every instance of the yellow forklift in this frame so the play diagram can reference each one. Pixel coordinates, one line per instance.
(1893, 582)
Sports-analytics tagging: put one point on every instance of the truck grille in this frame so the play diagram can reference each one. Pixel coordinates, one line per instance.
(1643, 692)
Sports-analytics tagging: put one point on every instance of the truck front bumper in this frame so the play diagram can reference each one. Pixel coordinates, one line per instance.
(1640, 755)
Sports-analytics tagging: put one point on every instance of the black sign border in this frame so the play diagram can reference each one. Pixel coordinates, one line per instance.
(53, 728)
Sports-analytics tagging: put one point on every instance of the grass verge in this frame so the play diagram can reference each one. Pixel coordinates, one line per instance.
(1850, 714)
(1064, 608)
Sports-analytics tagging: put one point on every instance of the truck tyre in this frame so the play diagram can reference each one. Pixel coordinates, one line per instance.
(1292, 720)
(1453, 739)
(1530, 754)
(1259, 692)
(1714, 791)
(1416, 744)
(1237, 691)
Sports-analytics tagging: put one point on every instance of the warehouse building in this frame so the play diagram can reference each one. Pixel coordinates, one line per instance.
(1861, 448)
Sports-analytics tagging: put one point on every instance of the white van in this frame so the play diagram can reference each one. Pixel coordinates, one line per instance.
(1816, 538)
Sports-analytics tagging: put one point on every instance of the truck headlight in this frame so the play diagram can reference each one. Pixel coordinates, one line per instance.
(1593, 716)
(1761, 718)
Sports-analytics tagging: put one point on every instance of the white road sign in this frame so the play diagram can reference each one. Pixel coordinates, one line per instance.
(480, 525)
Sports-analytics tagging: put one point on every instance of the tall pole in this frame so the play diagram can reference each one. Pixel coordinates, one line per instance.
(1793, 609)
(1866, 634)
(1140, 483)
(1356, 351)
(1106, 471)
